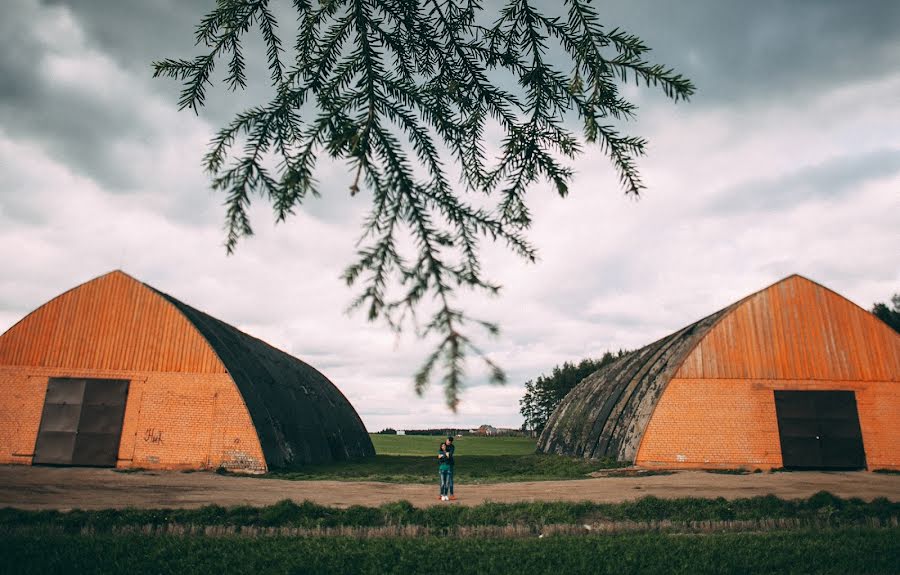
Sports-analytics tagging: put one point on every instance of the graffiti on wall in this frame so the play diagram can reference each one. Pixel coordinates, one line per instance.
(153, 435)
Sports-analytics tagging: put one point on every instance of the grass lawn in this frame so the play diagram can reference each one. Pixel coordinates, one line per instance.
(413, 459)
(838, 551)
(426, 445)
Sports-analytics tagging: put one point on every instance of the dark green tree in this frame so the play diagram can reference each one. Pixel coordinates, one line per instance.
(888, 315)
(407, 92)
(543, 394)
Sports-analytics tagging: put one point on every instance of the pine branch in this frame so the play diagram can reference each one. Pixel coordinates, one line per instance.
(404, 91)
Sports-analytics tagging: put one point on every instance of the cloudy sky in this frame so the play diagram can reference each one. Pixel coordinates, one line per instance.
(786, 161)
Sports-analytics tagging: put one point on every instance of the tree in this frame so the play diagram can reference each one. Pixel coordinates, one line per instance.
(407, 93)
(888, 315)
(543, 394)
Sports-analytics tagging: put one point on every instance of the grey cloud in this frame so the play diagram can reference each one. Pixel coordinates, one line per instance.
(133, 34)
(769, 49)
(827, 180)
(136, 33)
(74, 126)
(88, 127)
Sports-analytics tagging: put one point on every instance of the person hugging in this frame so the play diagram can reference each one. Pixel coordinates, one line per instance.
(451, 462)
(445, 470)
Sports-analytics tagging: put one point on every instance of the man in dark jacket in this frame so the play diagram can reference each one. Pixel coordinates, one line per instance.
(450, 449)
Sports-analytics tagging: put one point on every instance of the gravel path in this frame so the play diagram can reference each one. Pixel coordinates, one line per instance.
(68, 488)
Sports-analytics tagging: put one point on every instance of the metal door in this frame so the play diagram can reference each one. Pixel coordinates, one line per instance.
(82, 422)
(819, 430)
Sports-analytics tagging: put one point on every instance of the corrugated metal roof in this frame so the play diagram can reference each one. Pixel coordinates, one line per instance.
(299, 415)
(605, 415)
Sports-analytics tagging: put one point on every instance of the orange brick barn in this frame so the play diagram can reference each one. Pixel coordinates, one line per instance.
(115, 373)
(793, 376)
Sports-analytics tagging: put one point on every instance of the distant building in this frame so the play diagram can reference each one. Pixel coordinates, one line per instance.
(792, 376)
(401, 432)
(485, 430)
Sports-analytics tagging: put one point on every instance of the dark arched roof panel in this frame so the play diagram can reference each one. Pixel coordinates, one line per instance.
(605, 415)
(299, 415)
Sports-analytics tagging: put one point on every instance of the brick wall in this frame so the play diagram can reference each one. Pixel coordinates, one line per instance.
(710, 423)
(172, 420)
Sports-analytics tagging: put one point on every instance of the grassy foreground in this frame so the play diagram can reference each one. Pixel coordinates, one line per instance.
(848, 550)
(412, 459)
(822, 508)
(822, 534)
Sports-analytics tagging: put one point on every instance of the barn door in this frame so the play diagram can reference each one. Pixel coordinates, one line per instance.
(82, 422)
(819, 430)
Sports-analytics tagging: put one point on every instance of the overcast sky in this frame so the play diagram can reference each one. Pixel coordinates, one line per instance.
(786, 161)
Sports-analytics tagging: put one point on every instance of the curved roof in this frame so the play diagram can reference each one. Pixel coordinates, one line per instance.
(112, 322)
(299, 415)
(793, 329)
(115, 322)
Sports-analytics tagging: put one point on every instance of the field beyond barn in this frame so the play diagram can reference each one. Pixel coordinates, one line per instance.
(427, 445)
(480, 459)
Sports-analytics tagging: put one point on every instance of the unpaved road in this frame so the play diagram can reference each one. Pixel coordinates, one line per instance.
(68, 488)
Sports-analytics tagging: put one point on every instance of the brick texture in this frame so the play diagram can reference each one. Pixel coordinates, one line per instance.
(720, 423)
(183, 409)
(719, 408)
(172, 420)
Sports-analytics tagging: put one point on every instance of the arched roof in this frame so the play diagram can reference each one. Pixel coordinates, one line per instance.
(299, 415)
(112, 322)
(115, 322)
(793, 329)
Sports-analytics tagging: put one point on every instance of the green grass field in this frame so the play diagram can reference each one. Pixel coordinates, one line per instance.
(837, 551)
(413, 459)
(822, 534)
(426, 445)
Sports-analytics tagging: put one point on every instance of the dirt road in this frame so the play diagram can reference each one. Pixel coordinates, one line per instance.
(68, 488)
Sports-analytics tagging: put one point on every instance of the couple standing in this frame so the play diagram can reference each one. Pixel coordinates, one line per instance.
(445, 467)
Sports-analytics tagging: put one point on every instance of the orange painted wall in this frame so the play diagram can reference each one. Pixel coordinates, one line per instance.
(183, 410)
(719, 408)
(172, 420)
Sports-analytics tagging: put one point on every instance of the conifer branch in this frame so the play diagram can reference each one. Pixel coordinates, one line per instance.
(402, 88)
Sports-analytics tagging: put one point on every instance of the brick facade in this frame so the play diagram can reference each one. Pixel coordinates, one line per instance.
(183, 409)
(715, 423)
(172, 420)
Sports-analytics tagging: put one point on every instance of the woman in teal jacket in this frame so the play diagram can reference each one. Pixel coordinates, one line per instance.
(445, 469)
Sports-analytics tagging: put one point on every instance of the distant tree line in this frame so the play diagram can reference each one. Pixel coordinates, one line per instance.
(445, 432)
(436, 432)
(889, 315)
(543, 394)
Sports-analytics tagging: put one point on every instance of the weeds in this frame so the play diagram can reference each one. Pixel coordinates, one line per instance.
(837, 551)
(822, 508)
